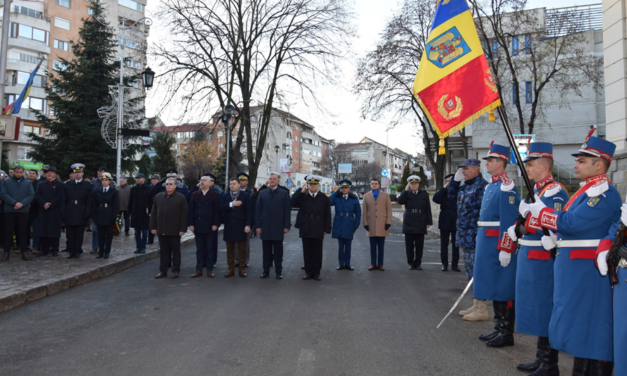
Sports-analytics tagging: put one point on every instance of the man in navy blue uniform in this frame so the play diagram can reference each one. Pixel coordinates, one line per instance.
(345, 222)
(468, 197)
(203, 221)
(495, 268)
(416, 219)
(534, 274)
(446, 225)
(581, 321)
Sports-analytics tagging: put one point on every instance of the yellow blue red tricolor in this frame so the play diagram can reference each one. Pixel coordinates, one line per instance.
(16, 106)
(454, 85)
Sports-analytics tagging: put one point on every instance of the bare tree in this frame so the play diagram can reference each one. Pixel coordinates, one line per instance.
(547, 51)
(385, 76)
(364, 172)
(235, 50)
(331, 161)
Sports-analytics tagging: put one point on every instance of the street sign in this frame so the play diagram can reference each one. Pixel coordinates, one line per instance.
(289, 174)
(344, 168)
(135, 132)
(30, 165)
(385, 182)
(285, 165)
(385, 173)
(288, 184)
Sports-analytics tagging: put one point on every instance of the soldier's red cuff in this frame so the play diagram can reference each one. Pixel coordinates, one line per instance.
(506, 244)
(531, 225)
(548, 219)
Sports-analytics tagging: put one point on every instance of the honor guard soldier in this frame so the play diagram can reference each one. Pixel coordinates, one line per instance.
(77, 210)
(416, 219)
(581, 321)
(534, 273)
(619, 304)
(495, 266)
(345, 222)
(315, 211)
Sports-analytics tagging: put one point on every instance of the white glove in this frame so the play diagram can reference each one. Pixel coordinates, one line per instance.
(505, 258)
(602, 262)
(523, 208)
(549, 242)
(536, 207)
(511, 231)
(459, 175)
(623, 214)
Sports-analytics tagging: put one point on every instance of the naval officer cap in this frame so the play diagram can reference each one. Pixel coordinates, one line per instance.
(171, 173)
(211, 176)
(313, 179)
(345, 183)
(77, 167)
(106, 176)
(242, 176)
(413, 179)
(596, 147)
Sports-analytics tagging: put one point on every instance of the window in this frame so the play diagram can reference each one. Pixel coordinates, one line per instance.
(63, 3)
(62, 23)
(28, 12)
(220, 133)
(130, 4)
(22, 79)
(60, 45)
(295, 138)
(131, 63)
(22, 153)
(35, 103)
(528, 92)
(515, 93)
(220, 146)
(528, 44)
(296, 148)
(515, 45)
(30, 129)
(29, 58)
(130, 44)
(58, 66)
(90, 11)
(134, 84)
(495, 48)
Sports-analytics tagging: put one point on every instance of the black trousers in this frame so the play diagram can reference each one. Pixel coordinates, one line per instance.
(445, 235)
(75, 234)
(312, 253)
(273, 250)
(414, 243)
(17, 222)
(105, 238)
(151, 237)
(47, 245)
(170, 249)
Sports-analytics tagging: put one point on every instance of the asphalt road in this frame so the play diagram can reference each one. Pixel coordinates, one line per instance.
(350, 323)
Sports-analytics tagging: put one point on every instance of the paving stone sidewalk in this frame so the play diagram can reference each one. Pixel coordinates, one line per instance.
(24, 281)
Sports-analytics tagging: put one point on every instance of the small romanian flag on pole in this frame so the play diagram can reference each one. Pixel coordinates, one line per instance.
(454, 85)
(15, 107)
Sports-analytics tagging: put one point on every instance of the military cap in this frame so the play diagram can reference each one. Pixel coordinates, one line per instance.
(210, 176)
(413, 179)
(170, 173)
(155, 176)
(345, 183)
(140, 175)
(78, 167)
(242, 176)
(539, 150)
(498, 151)
(313, 179)
(470, 162)
(106, 176)
(596, 147)
(102, 168)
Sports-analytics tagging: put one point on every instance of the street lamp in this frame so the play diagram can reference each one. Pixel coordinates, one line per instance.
(229, 111)
(276, 150)
(148, 77)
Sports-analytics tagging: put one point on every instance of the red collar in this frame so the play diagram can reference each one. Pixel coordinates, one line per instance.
(543, 182)
(596, 177)
(501, 176)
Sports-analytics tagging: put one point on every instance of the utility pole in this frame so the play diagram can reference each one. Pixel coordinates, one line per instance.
(6, 15)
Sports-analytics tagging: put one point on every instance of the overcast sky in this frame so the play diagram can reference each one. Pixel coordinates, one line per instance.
(347, 126)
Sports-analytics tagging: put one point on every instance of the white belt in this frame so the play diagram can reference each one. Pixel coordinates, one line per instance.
(529, 243)
(488, 223)
(578, 243)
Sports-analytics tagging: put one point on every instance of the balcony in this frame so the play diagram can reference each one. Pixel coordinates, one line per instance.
(29, 44)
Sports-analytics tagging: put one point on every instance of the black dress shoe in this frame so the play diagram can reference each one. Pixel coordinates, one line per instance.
(264, 275)
(501, 340)
(70, 257)
(340, 267)
(306, 277)
(302, 268)
(78, 255)
(317, 278)
(530, 367)
(237, 265)
(349, 268)
(418, 267)
(278, 276)
(138, 251)
(489, 336)
(456, 269)
(445, 268)
(99, 256)
(106, 256)
(412, 267)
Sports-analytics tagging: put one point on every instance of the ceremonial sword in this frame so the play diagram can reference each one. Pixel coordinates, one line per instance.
(457, 302)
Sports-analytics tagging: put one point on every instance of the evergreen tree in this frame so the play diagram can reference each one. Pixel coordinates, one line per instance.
(403, 184)
(76, 93)
(164, 159)
(424, 180)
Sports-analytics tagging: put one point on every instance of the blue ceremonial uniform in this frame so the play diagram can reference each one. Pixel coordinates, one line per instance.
(345, 222)
(581, 321)
(534, 273)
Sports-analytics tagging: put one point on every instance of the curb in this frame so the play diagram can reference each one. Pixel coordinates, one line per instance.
(51, 287)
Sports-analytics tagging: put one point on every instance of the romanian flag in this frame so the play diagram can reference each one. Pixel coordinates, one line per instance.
(454, 85)
(15, 107)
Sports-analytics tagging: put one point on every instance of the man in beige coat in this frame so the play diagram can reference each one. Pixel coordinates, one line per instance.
(377, 215)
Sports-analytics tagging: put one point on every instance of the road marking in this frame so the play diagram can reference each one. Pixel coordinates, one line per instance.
(306, 360)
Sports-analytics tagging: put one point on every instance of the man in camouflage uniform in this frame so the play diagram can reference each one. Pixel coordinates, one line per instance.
(468, 196)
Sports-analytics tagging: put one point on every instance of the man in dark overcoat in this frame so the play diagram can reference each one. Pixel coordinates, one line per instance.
(237, 216)
(203, 221)
(272, 221)
(416, 219)
(243, 181)
(447, 225)
(139, 205)
(315, 212)
(50, 196)
(77, 209)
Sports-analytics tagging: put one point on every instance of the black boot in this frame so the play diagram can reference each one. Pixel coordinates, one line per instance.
(581, 367)
(530, 367)
(5, 256)
(601, 368)
(508, 319)
(549, 358)
(497, 323)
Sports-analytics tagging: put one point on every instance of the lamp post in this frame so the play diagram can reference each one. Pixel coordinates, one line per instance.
(276, 150)
(229, 110)
(148, 76)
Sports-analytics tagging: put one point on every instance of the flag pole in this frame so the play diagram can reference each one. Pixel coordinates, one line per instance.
(512, 143)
